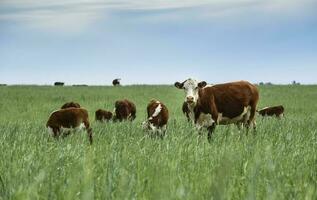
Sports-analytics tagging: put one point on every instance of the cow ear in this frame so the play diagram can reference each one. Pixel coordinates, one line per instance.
(179, 85)
(202, 84)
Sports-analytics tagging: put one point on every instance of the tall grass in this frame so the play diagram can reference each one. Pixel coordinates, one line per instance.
(278, 161)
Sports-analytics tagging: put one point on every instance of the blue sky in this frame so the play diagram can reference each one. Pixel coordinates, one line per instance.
(157, 41)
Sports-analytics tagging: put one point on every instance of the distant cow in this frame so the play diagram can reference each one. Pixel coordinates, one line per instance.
(226, 103)
(278, 111)
(62, 121)
(70, 105)
(157, 114)
(124, 110)
(58, 83)
(103, 115)
(116, 82)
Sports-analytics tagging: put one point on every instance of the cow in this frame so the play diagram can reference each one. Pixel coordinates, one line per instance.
(226, 103)
(103, 115)
(116, 82)
(59, 83)
(124, 110)
(70, 105)
(278, 111)
(62, 121)
(157, 114)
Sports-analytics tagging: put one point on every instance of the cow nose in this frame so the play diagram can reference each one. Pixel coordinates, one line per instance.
(190, 99)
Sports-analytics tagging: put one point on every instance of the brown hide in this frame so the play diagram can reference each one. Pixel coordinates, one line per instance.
(69, 118)
(161, 119)
(70, 105)
(103, 115)
(278, 111)
(228, 99)
(124, 110)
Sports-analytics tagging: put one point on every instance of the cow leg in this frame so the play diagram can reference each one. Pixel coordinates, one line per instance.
(251, 120)
(89, 130)
(56, 132)
(210, 131)
(239, 125)
(163, 131)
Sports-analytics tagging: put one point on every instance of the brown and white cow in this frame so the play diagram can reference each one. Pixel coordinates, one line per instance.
(62, 121)
(157, 114)
(124, 110)
(278, 111)
(103, 115)
(70, 105)
(227, 103)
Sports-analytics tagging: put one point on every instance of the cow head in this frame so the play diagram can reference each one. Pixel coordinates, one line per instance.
(191, 88)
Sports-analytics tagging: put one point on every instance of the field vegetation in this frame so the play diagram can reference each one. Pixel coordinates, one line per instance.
(278, 161)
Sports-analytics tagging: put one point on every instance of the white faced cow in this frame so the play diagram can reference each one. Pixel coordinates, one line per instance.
(226, 103)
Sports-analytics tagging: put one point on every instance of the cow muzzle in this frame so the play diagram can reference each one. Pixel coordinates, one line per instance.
(190, 100)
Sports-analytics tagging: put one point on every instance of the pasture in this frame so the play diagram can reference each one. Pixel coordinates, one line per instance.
(278, 161)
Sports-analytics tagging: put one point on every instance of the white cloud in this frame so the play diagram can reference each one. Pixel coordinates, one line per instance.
(76, 15)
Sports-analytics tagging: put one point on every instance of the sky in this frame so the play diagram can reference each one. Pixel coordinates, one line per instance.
(157, 41)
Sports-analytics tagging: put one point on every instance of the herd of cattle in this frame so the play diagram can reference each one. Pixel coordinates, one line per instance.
(205, 106)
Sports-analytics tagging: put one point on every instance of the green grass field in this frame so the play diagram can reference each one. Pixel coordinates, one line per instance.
(279, 161)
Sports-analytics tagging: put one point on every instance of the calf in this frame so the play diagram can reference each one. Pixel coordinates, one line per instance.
(278, 111)
(70, 105)
(157, 114)
(226, 103)
(103, 115)
(69, 118)
(124, 110)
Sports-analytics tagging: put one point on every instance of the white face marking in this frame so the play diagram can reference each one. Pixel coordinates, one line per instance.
(157, 110)
(191, 90)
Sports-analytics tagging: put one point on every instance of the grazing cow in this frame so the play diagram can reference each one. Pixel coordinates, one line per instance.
(278, 111)
(124, 110)
(62, 121)
(103, 115)
(70, 105)
(58, 83)
(226, 103)
(157, 114)
(116, 82)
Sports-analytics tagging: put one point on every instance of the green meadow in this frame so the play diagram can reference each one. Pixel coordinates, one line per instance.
(277, 161)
